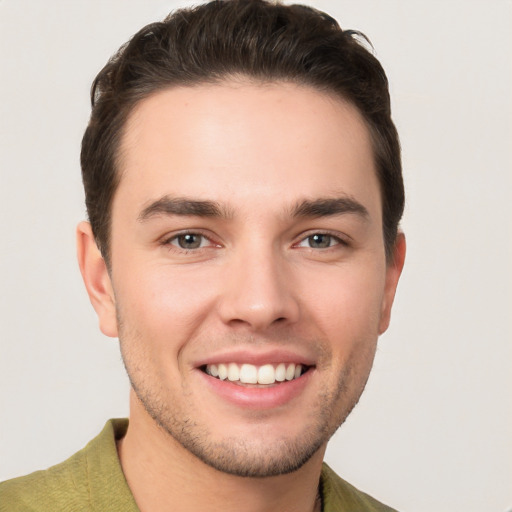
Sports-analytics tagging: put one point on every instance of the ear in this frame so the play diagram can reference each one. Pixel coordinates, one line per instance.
(97, 279)
(393, 272)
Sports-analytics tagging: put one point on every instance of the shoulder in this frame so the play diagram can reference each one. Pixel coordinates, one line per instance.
(61, 487)
(340, 496)
(91, 479)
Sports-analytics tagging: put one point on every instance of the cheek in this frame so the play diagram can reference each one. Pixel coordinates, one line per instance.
(164, 305)
(346, 304)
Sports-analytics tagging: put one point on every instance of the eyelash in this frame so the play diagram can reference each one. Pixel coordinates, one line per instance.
(338, 241)
(168, 242)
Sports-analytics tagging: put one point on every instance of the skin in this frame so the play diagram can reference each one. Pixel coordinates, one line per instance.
(256, 286)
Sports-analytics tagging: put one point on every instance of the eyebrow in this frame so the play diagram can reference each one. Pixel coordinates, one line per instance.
(325, 207)
(322, 207)
(183, 206)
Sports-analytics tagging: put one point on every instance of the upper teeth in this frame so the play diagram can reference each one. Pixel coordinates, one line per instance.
(251, 374)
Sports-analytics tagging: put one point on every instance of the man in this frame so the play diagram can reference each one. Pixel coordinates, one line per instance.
(243, 185)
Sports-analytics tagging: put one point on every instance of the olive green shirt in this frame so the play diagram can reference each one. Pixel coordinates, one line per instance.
(92, 480)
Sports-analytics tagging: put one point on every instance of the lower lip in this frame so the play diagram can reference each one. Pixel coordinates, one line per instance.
(258, 397)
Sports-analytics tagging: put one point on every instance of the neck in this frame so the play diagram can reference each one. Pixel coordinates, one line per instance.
(160, 472)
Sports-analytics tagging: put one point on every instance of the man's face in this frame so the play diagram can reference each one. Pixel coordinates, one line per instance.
(247, 239)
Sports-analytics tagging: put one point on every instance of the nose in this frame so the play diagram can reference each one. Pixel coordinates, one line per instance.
(258, 291)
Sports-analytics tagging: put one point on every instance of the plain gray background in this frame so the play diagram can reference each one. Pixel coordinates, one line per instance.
(433, 429)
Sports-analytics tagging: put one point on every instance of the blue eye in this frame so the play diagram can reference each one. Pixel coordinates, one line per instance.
(189, 241)
(320, 241)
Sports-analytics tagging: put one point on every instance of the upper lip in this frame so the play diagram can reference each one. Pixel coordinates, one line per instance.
(257, 358)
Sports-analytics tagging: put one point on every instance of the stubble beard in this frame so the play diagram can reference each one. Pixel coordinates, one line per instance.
(238, 455)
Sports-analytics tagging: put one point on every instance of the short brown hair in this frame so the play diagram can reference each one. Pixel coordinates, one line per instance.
(255, 38)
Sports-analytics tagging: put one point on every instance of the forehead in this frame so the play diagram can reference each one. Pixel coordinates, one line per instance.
(234, 141)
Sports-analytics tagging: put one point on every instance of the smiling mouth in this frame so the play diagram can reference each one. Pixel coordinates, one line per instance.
(266, 374)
